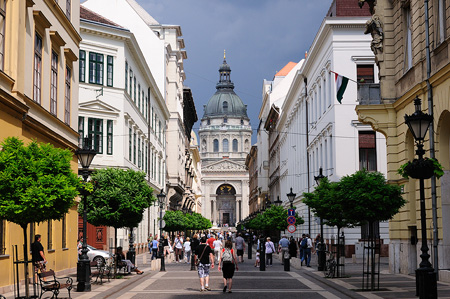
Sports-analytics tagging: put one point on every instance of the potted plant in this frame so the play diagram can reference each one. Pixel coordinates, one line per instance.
(421, 169)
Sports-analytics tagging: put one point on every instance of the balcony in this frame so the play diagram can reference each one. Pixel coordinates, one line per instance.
(369, 94)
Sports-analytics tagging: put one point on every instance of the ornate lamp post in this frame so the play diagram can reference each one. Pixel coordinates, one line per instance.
(426, 285)
(85, 156)
(287, 259)
(321, 247)
(278, 202)
(291, 197)
(162, 201)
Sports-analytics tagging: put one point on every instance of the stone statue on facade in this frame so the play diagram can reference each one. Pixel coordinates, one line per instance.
(375, 28)
(371, 4)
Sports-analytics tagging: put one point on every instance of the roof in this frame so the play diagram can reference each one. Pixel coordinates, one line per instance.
(89, 15)
(145, 16)
(286, 69)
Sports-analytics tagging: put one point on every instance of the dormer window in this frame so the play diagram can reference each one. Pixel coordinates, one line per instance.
(242, 121)
(225, 120)
(208, 121)
(225, 106)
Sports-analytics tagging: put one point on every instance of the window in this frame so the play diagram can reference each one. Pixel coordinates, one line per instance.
(80, 131)
(139, 97)
(225, 106)
(134, 93)
(95, 68)
(408, 38)
(67, 95)
(134, 148)
(63, 232)
(143, 155)
(126, 76)
(139, 152)
(109, 137)
(225, 120)
(2, 34)
(68, 8)
(109, 70)
(146, 108)
(441, 5)
(143, 103)
(95, 132)
(364, 73)
(159, 130)
(216, 145)
(367, 151)
(2, 237)
(49, 235)
(225, 145)
(130, 144)
(82, 66)
(146, 159)
(131, 83)
(235, 145)
(54, 84)
(37, 69)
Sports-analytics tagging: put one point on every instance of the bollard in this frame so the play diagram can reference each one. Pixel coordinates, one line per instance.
(249, 249)
(262, 254)
(287, 262)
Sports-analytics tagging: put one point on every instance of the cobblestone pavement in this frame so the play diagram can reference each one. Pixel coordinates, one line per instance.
(249, 282)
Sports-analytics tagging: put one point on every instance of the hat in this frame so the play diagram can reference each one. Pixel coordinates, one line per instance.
(268, 238)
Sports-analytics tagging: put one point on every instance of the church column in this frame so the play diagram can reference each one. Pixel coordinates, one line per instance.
(239, 210)
(214, 211)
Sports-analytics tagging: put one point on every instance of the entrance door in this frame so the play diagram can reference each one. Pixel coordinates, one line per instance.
(226, 218)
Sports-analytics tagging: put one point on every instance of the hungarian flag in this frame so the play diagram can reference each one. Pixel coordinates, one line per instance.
(341, 85)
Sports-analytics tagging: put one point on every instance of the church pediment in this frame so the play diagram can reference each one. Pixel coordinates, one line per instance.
(99, 107)
(225, 165)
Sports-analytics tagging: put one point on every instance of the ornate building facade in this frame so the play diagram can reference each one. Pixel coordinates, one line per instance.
(225, 136)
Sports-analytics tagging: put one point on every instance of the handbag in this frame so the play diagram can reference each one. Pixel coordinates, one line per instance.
(198, 260)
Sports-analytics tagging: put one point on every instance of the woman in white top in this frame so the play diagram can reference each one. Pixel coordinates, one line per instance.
(270, 249)
(217, 248)
(187, 250)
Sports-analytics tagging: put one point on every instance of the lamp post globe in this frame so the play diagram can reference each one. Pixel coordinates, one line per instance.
(85, 156)
(291, 197)
(161, 200)
(426, 281)
(321, 247)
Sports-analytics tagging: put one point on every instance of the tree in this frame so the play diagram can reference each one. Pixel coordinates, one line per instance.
(177, 221)
(37, 184)
(273, 218)
(119, 198)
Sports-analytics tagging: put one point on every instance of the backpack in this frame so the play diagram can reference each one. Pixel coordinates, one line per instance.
(304, 243)
(227, 256)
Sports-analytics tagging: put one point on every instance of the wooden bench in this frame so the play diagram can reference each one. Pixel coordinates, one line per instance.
(49, 283)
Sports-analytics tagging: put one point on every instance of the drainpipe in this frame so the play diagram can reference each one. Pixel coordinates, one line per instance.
(307, 155)
(432, 154)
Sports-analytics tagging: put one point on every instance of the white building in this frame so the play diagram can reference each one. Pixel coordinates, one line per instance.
(121, 109)
(312, 130)
(162, 48)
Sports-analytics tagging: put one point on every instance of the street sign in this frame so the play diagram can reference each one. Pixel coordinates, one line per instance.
(291, 212)
(291, 228)
(291, 220)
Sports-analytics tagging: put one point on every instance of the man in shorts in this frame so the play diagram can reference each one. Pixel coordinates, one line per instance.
(37, 254)
(240, 246)
(205, 256)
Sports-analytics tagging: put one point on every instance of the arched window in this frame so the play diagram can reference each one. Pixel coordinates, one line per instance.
(204, 145)
(225, 145)
(216, 145)
(225, 106)
(235, 145)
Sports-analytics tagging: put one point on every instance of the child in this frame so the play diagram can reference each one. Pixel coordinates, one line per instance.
(257, 258)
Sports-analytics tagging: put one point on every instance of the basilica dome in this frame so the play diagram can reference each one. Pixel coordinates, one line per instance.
(225, 102)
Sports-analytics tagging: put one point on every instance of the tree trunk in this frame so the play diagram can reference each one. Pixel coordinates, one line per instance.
(115, 251)
(25, 259)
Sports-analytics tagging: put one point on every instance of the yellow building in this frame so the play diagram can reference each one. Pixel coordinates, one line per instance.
(398, 31)
(39, 42)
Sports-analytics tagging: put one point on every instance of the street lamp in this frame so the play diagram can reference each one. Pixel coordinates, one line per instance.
(418, 123)
(85, 156)
(278, 202)
(321, 246)
(291, 197)
(162, 200)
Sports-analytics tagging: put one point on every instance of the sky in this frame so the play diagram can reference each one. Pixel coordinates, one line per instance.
(259, 36)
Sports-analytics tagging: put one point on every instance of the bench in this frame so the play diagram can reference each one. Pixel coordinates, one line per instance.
(100, 270)
(49, 283)
(120, 264)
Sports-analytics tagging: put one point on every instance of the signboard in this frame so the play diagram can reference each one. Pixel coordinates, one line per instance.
(291, 212)
(291, 220)
(291, 228)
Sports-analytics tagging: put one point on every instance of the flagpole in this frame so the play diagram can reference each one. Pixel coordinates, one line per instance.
(344, 76)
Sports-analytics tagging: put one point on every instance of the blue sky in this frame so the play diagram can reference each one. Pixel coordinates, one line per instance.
(259, 36)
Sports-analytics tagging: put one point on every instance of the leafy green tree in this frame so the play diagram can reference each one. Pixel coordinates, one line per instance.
(119, 198)
(175, 221)
(273, 218)
(36, 184)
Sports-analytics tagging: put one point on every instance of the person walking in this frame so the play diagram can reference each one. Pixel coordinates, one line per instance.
(187, 250)
(270, 249)
(300, 246)
(217, 248)
(229, 264)
(283, 247)
(292, 247)
(205, 257)
(240, 247)
(154, 246)
(178, 244)
(37, 254)
(306, 250)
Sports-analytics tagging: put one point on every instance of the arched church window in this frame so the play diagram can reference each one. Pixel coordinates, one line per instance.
(225, 145)
(246, 145)
(235, 145)
(204, 145)
(216, 145)
(225, 106)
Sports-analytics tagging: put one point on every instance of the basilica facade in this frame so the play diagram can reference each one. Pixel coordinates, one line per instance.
(225, 140)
